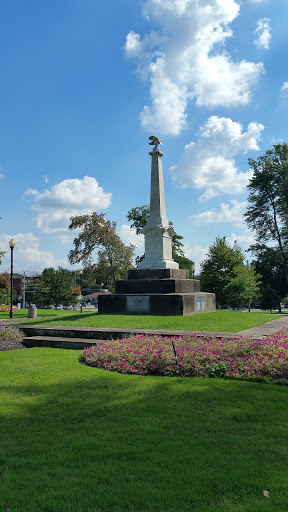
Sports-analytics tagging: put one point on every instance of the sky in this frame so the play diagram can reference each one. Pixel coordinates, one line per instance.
(85, 83)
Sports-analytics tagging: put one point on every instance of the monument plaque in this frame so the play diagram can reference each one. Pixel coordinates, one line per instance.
(201, 303)
(137, 304)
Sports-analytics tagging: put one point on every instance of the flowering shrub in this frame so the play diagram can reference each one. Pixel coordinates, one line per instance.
(10, 334)
(243, 358)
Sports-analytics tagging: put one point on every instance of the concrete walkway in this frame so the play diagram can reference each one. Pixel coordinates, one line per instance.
(266, 329)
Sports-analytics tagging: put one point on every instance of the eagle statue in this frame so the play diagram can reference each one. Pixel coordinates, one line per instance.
(155, 141)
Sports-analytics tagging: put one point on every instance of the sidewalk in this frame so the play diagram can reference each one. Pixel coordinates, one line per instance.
(266, 329)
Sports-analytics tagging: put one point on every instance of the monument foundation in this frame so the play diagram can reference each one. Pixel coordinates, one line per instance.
(158, 286)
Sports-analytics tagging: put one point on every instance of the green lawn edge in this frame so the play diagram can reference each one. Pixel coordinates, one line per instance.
(218, 321)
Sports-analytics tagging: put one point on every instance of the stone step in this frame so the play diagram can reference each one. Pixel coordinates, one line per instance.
(157, 286)
(60, 342)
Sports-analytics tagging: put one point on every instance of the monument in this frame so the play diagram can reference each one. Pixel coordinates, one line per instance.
(157, 286)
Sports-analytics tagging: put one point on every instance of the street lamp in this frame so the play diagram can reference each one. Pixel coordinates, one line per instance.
(81, 277)
(102, 284)
(193, 272)
(11, 245)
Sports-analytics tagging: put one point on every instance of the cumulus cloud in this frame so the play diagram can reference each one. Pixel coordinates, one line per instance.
(244, 240)
(209, 164)
(196, 254)
(129, 236)
(263, 33)
(233, 214)
(27, 254)
(186, 60)
(67, 199)
(284, 88)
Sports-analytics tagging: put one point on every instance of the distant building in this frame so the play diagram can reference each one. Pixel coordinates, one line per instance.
(93, 297)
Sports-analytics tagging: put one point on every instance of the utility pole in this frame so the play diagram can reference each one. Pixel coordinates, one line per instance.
(23, 292)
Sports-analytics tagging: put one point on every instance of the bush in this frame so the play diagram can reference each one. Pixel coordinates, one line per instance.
(10, 334)
(242, 358)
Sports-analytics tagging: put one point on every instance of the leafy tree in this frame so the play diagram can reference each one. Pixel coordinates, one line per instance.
(57, 287)
(267, 211)
(97, 232)
(4, 281)
(269, 264)
(270, 299)
(139, 216)
(220, 267)
(242, 289)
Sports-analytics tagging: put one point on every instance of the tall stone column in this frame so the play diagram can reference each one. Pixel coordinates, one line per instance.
(157, 232)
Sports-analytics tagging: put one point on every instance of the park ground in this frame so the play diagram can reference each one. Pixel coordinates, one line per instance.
(76, 438)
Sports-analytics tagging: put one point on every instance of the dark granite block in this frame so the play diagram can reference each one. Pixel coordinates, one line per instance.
(158, 273)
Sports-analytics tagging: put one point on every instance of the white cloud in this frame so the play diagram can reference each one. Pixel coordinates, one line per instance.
(133, 45)
(129, 236)
(179, 61)
(208, 163)
(27, 255)
(66, 199)
(196, 254)
(263, 33)
(244, 240)
(233, 214)
(284, 88)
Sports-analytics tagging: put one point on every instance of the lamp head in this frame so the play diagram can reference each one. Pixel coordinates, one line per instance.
(12, 244)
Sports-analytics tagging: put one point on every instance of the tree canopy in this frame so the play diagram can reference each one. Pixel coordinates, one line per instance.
(57, 287)
(267, 211)
(244, 288)
(114, 258)
(220, 267)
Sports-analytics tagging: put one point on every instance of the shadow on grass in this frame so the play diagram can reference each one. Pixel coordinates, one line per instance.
(74, 438)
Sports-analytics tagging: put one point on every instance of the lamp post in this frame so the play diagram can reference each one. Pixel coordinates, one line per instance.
(102, 290)
(81, 277)
(11, 245)
(193, 272)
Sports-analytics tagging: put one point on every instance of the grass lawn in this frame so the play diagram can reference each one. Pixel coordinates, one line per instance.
(79, 439)
(218, 321)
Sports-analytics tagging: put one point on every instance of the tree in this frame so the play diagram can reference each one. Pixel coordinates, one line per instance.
(267, 212)
(242, 289)
(139, 216)
(97, 232)
(220, 267)
(269, 264)
(57, 287)
(270, 299)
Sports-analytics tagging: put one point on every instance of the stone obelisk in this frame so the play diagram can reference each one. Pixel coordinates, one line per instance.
(157, 286)
(157, 232)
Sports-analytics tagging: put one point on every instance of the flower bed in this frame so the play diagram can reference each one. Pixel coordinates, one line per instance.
(10, 338)
(243, 358)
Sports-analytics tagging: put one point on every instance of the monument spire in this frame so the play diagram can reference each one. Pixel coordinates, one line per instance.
(157, 232)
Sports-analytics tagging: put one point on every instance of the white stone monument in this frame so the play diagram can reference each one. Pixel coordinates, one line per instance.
(157, 232)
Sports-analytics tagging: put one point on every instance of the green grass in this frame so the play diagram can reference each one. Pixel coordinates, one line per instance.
(77, 439)
(41, 313)
(218, 321)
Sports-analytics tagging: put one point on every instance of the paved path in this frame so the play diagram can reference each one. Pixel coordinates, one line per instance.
(265, 329)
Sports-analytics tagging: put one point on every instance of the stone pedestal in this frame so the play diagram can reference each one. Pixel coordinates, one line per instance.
(157, 292)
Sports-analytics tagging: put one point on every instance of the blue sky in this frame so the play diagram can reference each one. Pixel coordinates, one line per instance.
(83, 86)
